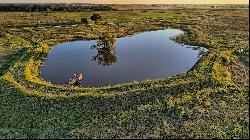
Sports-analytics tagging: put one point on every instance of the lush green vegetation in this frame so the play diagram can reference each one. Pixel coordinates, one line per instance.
(210, 101)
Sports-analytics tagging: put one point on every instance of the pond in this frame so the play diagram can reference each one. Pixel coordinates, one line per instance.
(143, 56)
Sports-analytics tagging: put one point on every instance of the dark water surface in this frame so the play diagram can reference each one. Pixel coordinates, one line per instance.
(144, 56)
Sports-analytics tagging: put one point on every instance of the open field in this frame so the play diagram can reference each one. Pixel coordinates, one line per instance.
(210, 101)
(177, 6)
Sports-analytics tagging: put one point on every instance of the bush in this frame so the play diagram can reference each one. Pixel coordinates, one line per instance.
(84, 20)
(95, 17)
(44, 48)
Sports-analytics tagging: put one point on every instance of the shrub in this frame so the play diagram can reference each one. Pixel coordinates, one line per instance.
(95, 17)
(84, 20)
(43, 49)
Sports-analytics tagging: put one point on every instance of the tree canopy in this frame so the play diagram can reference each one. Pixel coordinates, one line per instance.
(95, 17)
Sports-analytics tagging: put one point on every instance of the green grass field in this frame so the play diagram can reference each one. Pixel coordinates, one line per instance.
(210, 101)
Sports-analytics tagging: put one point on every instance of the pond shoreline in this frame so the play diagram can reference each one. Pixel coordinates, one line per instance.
(135, 35)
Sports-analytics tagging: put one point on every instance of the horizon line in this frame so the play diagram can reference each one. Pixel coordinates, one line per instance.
(124, 3)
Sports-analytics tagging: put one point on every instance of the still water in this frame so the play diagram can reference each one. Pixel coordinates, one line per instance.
(143, 56)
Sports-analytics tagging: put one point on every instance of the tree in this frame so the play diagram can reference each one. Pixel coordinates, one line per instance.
(105, 50)
(84, 20)
(95, 17)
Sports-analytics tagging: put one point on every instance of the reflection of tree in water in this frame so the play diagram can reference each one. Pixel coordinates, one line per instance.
(105, 57)
(105, 50)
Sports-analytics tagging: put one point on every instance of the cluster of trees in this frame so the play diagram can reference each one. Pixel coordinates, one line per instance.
(53, 7)
(94, 17)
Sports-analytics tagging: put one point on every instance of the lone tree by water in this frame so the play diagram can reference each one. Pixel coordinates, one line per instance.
(105, 49)
(95, 17)
(107, 41)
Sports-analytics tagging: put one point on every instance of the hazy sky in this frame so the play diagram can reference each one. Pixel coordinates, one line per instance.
(133, 1)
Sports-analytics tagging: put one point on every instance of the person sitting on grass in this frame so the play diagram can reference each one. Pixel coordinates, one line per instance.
(76, 80)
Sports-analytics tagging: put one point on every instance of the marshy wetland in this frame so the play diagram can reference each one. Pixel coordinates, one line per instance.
(210, 100)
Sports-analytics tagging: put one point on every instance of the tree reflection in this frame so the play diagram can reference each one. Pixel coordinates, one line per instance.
(105, 47)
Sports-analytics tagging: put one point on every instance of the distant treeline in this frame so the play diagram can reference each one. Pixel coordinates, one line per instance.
(52, 7)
